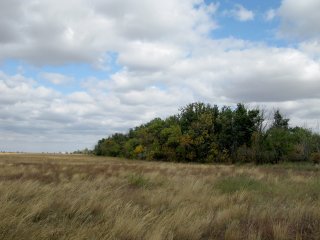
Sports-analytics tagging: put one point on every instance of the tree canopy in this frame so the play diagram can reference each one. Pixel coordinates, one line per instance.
(204, 133)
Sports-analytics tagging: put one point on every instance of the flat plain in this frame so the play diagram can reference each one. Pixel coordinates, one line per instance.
(45, 196)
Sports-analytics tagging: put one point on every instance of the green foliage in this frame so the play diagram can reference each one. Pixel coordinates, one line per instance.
(278, 142)
(112, 146)
(279, 121)
(245, 154)
(207, 134)
(85, 151)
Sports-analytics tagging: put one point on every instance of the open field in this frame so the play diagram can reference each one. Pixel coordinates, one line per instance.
(83, 197)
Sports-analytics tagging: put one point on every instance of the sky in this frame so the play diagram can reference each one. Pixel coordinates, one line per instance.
(73, 72)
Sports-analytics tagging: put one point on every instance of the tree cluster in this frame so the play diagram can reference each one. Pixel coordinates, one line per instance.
(207, 134)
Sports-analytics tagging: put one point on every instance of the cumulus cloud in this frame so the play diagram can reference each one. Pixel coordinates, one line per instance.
(242, 14)
(299, 19)
(150, 56)
(311, 47)
(58, 32)
(39, 114)
(56, 78)
(165, 58)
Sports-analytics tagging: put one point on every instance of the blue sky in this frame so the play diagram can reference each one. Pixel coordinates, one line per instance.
(257, 29)
(74, 72)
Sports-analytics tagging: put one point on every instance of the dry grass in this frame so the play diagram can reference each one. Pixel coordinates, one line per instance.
(81, 197)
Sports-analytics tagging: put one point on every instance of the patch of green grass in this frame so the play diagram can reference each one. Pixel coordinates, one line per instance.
(138, 180)
(230, 185)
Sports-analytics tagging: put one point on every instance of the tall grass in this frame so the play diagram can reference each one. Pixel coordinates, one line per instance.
(81, 197)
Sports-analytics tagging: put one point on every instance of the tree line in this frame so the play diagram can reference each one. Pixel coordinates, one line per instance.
(206, 134)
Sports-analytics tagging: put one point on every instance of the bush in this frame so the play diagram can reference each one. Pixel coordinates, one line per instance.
(224, 156)
(315, 157)
(297, 154)
(244, 155)
(263, 157)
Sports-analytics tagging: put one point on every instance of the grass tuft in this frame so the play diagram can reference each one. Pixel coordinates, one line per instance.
(229, 185)
(139, 181)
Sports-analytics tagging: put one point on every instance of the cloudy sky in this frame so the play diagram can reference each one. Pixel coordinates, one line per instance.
(72, 72)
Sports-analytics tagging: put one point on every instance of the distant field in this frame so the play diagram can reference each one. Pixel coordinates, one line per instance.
(83, 197)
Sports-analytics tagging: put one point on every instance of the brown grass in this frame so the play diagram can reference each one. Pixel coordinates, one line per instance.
(82, 197)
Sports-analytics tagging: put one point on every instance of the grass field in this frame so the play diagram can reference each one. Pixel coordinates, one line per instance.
(83, 197)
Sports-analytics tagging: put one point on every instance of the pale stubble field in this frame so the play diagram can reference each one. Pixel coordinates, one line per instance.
(85, 197)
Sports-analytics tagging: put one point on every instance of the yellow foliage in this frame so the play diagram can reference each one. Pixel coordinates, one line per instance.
(138, 150)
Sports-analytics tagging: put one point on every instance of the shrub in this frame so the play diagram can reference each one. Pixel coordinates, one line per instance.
(224, 156)
(297, 154)
(315, 157)
(139, 151)
(244, 155)
(263, 157)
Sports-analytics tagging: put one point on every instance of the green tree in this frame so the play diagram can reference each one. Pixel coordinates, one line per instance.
(197, 121)
(225, 130)
(205, 133)
(278, 138)
(170, 140)
(246, 122)
(279, 121)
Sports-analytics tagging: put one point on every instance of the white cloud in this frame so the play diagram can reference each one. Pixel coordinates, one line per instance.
(56, 78)
(58, 32)
(242, 14)
(311, 47)
(167, 59)
(242, 72)
(299, 19)
(33, 112)
(270, 14)
(81, 97)
(150, 56)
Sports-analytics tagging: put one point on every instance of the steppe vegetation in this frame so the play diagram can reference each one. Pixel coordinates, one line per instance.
(87, 197)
